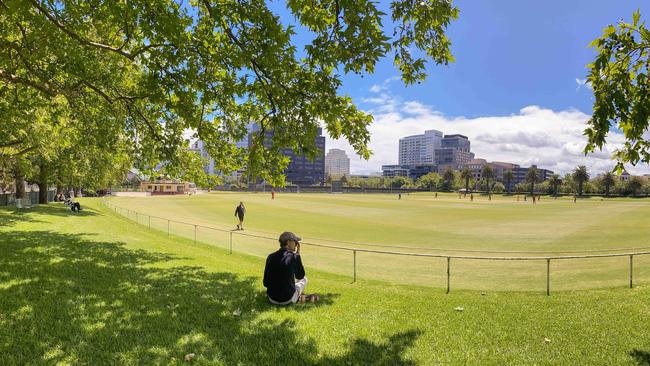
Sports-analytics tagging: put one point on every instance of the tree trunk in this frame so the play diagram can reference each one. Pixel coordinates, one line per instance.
(42, 193)
(20, 183)
(42, 185)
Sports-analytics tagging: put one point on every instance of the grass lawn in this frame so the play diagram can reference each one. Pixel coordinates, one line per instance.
(96, 289)
(424, 223)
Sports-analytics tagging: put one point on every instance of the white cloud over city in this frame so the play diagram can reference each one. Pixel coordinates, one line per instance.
(535, 135)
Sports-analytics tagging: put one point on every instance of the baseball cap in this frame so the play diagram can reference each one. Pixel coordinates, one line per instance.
(288, 235)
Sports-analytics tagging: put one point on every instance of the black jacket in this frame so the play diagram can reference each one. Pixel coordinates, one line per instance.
(239, 211)
(282, 270)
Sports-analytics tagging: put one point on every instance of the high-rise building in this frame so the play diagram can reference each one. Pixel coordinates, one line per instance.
(419, 149)
(337, 163)
(301, 170)
(520, 174)
(454, 152)
(199, 147)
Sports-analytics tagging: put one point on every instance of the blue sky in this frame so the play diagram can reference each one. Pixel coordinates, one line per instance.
(510, 54)
(515, 89)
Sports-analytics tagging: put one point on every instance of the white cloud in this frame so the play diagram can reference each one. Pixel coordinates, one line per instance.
(376, 88)
(550, 139)
(583, 83)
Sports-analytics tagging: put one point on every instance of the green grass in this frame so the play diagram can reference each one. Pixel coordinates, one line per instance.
(422, 223)
(96, 289)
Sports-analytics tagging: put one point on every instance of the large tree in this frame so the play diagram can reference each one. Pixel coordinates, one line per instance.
(634, 185)
(448, 177)
(466, 175)
(580, 176)
(619, 79)
(532, 176)
(607, 181)
(488, 174)
(555, 182)
(508, 176)
(429, 181)
(165, 67)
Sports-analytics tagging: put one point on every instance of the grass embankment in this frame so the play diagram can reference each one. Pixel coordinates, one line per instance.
(96, 289)
(420, 222)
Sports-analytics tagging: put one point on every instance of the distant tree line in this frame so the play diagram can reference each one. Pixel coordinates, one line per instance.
(579, 182)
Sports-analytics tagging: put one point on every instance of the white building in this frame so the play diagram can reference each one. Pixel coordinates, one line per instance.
(419, 149)
(337, 163)
(199, 146)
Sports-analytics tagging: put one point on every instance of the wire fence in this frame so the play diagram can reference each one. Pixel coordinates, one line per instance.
(435, 269)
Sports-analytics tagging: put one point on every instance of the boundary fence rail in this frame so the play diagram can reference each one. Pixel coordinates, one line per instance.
(354, 250)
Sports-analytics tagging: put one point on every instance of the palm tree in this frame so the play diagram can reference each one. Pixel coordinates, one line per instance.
(487, 173)
(466, 174)
(634, 184)
(508, 176)
(608, 180)
(448, 177)
(531, 177)
(555, 182)
(580, 175)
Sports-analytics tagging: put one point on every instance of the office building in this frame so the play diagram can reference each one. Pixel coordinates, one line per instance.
(454, 152)
(337, 163)
(302, 171)
(419, 149)
(520, 175)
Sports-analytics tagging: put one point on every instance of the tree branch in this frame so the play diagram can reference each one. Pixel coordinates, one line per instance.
(77, 37)
(43, 87)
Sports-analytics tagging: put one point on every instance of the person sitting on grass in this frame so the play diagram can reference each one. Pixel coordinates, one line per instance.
(284, 275)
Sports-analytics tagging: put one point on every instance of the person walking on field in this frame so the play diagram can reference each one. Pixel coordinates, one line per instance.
(284, 275)
(239, 212)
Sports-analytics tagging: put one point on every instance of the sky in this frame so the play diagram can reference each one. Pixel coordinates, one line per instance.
(516, 89)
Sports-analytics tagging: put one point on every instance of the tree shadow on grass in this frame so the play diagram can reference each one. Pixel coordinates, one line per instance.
(60, 209)
(11, 215)
(642, 358)
(65, 298)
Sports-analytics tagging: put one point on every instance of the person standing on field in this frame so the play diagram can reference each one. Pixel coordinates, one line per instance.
(239, 212)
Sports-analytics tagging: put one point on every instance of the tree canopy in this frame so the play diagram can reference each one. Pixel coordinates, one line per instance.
(157, 69)
(619, 78)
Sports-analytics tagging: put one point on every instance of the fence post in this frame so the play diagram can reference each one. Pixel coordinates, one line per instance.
(548, 276)
(136, 217)
(448, 274)
(631, 268)
(149, 221)
(194, 234)
(354, 266)
(230, 243)
(167, 227)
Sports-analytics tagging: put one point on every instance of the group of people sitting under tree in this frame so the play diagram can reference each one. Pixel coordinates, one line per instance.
(74, 206)
(284, 274)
